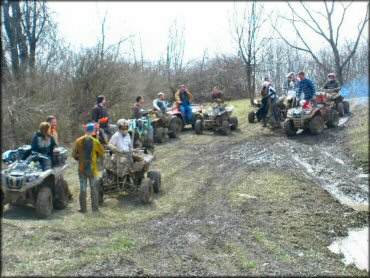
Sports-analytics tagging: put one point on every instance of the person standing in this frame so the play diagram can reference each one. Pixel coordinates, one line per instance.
(85, 151)
(183, 96)
(306, 86)
(100, 115)
(53, 127)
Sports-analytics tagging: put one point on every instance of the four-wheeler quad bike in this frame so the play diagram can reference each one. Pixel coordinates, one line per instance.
(312, 117)
(24, 182)
(176, 111)
(138, 129)
(217, 119)
(269, 118)
(341, 105)
(126, 173)
(163, 125)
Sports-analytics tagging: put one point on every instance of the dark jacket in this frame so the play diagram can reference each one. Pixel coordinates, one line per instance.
(135, 111)
(98, 113)
(41, 145)
(332, 84)
(215, 96)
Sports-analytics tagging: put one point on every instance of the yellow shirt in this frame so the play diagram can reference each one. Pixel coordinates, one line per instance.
(77, 154)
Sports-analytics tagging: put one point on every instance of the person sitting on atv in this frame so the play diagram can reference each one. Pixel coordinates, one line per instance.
(306, 86)
(183, 96)
(53, 127)
(160, 105)
(332, 84)
(100, 115)
(136, 113)
(121, 144)
(217, 95)
(45, 144)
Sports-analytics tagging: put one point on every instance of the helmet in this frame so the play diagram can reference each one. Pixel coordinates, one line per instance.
(331, 74)
(289, 74)
(122, 123)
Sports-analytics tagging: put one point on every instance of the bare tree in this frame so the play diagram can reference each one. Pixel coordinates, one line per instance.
(174, 53)
(311, 19)
(247, 31)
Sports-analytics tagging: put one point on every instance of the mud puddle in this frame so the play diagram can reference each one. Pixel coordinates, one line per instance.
(354, 247)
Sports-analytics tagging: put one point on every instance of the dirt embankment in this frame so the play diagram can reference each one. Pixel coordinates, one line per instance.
(253, 203)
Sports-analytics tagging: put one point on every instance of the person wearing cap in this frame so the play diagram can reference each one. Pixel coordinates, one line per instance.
(53, 127)
(86, 152)
(332, 83)
(100, 115)
(44, 143)
(159, 104)
(306, 86)
(183, 96)
(217, 95)
(121, 139)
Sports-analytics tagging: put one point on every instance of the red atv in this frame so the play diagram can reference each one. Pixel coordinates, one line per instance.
(176, 111)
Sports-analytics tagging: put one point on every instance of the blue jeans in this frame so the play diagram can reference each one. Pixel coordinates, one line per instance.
(93, 190)
(187, 112)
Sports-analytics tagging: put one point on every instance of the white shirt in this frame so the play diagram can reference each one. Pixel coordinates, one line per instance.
(121, 142)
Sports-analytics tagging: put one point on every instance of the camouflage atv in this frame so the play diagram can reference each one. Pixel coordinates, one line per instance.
(312, 118)
(218, 119)
(176, 111)
(341, 105)
(23, 182)
(126, 173)
(164, 125)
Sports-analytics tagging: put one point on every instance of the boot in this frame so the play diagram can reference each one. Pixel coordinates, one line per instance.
(83, 207)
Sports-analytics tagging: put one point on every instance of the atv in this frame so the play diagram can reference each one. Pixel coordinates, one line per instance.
(341, 105)
(24, 182)
(163, 125)
(218, 119)
(312, 117)
(176, 111)
(126, 176)
(138, 129)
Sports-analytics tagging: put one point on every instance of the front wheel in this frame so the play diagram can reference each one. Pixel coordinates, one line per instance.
(146, 191)
(174, 128)
(333, 119)
(225, 127)
(155, 176)
(289, 128)
(44, 203)
(251, 117)
(196, 117)
(346, 106)
(198, 127)
(234, 123)
(316, 125)
(340, 108)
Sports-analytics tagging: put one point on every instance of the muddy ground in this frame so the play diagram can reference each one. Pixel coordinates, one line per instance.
(254, 203)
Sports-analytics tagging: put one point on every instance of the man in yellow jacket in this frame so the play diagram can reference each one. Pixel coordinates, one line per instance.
(183, 96)
(85, 151)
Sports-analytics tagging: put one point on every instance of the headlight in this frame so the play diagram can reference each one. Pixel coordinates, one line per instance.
(290, 113)
(307, 112)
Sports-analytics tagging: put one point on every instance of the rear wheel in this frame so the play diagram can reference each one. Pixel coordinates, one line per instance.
(234, 123)
(346, 106)
(174, 128)
(225, 127)
(333, 119)
(159, 135)
(61, 194)
(155, 176)
(340, 108)
(251, 116)
(44, 203)
(146, 191)
(198, 127)
(180, 124)
(289, 128)
(316, 125)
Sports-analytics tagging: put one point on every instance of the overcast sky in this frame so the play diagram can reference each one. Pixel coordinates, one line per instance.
(206, 24)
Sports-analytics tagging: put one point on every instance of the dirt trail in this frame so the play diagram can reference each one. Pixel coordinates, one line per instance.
(251, 203)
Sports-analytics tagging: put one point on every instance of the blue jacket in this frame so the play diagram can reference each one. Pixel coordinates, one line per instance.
(308, 89)
(40, 145)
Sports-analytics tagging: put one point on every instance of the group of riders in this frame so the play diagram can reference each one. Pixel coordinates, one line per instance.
(269, 101)
(123, 143)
